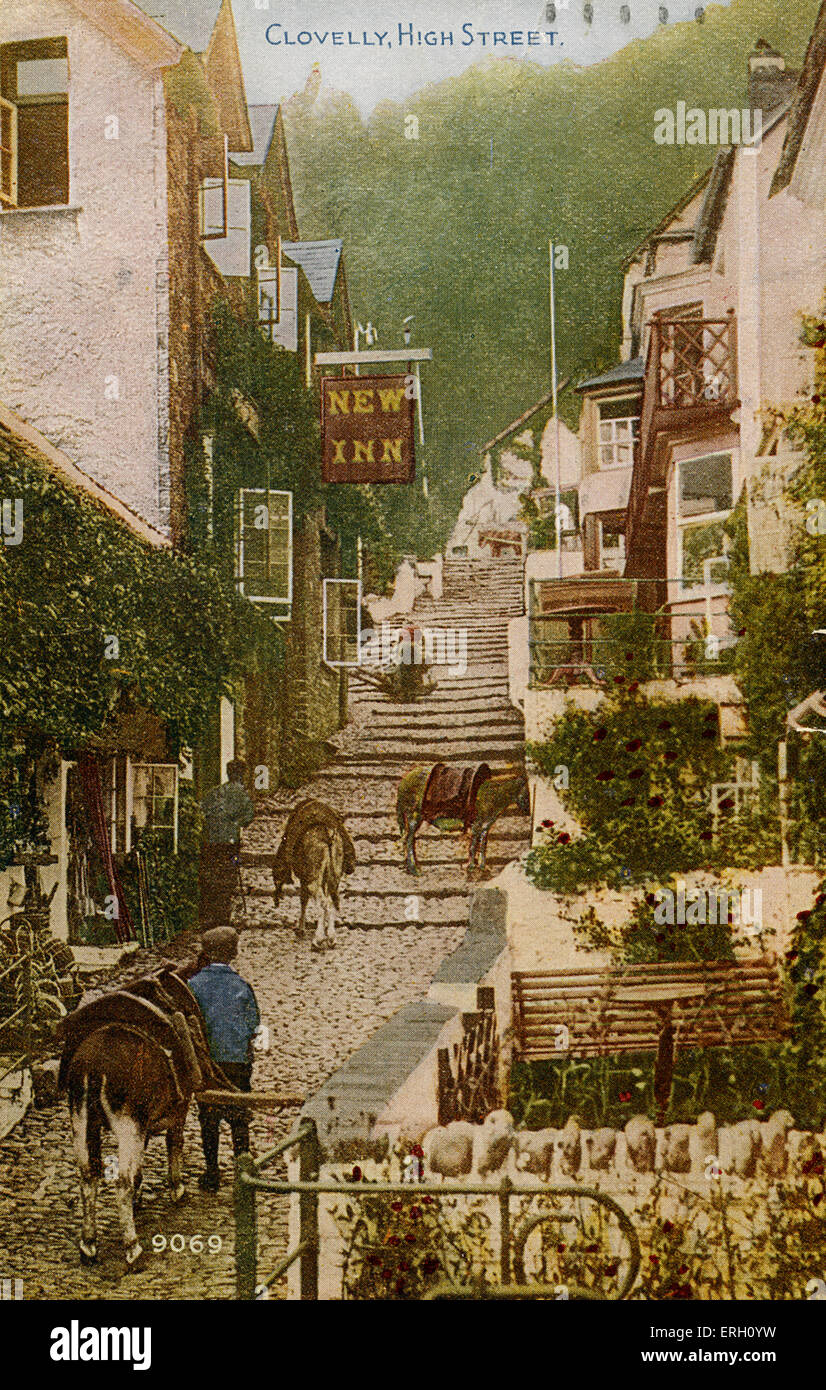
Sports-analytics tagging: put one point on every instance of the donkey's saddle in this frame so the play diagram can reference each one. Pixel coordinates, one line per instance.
(161, 1010)
(451, 792)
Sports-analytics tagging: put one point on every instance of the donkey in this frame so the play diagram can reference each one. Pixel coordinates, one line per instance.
(317, 850)
(120, 1080)
(494, 797)
(131, 1061)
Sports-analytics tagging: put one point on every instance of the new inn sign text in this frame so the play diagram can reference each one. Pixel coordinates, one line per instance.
(367, 430)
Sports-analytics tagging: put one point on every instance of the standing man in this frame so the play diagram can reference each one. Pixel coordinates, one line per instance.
(231, 1016)
(226, 810)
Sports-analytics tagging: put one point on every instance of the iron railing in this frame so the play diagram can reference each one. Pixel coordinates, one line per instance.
(19, 974)
(513, 1284)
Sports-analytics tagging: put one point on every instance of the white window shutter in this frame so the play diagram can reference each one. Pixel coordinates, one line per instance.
(8, 153)
(231, 255)
(282, 331)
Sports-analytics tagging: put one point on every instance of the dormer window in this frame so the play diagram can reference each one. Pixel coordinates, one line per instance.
(34, 124)
(619, 430)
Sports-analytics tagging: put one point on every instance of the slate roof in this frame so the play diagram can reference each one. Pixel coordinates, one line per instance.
(262, 120)
(189, 21)
(320, 261)
(633, 370)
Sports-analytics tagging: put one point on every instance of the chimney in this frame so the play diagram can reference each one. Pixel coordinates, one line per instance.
(770, 82)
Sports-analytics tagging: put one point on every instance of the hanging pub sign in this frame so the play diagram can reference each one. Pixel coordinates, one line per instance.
(367, 429)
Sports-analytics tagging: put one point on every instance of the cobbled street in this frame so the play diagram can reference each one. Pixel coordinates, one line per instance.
(318, 1007)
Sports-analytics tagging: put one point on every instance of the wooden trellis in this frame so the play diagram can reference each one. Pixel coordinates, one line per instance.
(696, 361)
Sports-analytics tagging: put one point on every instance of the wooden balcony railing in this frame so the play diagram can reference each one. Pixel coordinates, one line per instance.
(690, 374)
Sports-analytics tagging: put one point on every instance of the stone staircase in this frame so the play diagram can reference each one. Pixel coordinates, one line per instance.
(466, 719)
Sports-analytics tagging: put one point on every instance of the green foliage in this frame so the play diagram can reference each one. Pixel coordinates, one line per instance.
(260, 382)
(398, 1248)
(431, 229)
(639, 776)
(80, 577)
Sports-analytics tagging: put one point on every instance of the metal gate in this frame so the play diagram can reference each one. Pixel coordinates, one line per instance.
(249, 1182)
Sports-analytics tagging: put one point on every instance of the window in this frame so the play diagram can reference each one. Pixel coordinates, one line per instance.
(342, 622)
(226, 223)
(140, 798)
(264, 541)
(152, 803)
(611, 547)
(34, 124)
(704, 489)
(619, 430)
(281, 329)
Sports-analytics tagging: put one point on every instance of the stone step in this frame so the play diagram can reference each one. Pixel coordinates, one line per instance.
(482, 719)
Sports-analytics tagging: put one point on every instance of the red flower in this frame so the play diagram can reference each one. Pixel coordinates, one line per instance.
(651, 899)
(416, 1151)
(635, 685)
(629, 801)
(355, 1176)
(563, 839)
(415, 1213)
(668, 1225)
(655, 1259)
(759, 1104)
(706, 835)
(560, 1248)
(387, 1274)
(635, 773)
(727, 804)
(428, 1200)
(820, 899)
(599, 734)
(629, 656)
(670, 756)
(655, 801)
(805, 915)
(612, 1268)
(395, 1206)
(606, 776)
(625, 1096)
(410, 1238)
(664, 725)
(547, 824)
(392, 1240)
(633, 745)
(619, 680)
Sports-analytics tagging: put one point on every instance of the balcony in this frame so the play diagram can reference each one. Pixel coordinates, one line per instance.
(690, 389)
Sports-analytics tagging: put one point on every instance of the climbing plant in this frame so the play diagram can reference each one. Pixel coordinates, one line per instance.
(639, 774)
(95, 622)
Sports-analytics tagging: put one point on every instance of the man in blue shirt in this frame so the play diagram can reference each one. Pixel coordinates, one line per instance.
(231, 1017)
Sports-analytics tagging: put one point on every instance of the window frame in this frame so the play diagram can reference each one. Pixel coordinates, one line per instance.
(684, 523)
(240, 549)
(616, 442)
(357, 585)
(11, 56)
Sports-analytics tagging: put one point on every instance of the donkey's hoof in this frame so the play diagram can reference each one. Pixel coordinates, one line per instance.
(133, 1254)
(177, 1192)
(88, 1254)
(316, 945)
